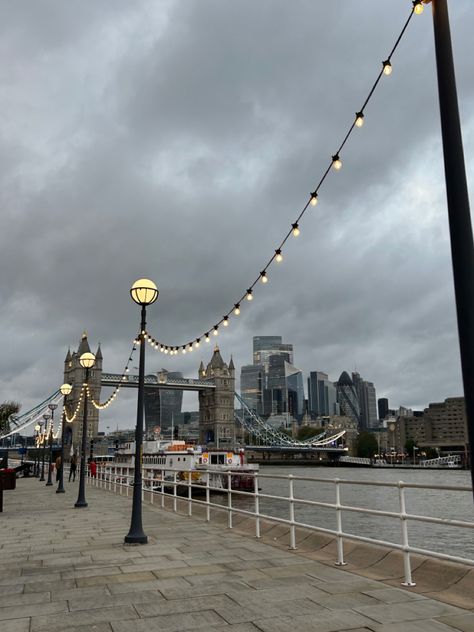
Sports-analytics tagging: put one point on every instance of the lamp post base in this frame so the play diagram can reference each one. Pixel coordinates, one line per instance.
(81, 503)
(60, 491)
(136, 538)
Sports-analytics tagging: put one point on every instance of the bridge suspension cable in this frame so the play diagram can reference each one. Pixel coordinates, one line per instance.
(277, 256)
(31, 416)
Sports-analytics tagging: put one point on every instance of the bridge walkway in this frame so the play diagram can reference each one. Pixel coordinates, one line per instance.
(63, 568)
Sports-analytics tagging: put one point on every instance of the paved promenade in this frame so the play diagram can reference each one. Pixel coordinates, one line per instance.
(67, 569)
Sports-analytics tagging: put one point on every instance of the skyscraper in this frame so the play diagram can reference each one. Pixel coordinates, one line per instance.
(252, 383)
(348, 398)
(382, 407)
(322, 395)
(266, 346)
(162, 405)
(367, 401)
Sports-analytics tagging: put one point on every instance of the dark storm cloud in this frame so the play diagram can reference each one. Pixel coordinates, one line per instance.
(179, 141)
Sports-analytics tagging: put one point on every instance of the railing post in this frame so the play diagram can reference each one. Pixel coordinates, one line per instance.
(229, 498)
(175, 493)
(208, 494)
(152, 485)
(190, 495)
(292, 513)
(162, 488)
(143, 487)
(406, 553)
(257, 506)
(115, 479)
(339, 538)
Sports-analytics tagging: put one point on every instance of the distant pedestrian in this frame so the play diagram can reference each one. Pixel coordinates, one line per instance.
(93, 468)
(58, 465)
(73, 468)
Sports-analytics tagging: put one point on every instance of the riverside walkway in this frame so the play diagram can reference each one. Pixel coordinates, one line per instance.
(63, 568)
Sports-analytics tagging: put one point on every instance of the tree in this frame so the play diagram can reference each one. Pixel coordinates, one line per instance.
(366, 445)
(306, 432)
(6, 409)
(409, 445)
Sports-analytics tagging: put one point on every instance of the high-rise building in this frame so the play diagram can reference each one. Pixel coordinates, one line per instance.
(266, 346)
(322, 395)
(162, 406)
(367, 401)
(348, 398)
(383, 408)
(252, 383)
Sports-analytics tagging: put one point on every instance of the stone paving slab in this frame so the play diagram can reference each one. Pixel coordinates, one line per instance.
(74, 573)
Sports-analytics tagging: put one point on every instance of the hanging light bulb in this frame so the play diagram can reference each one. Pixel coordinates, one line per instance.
(336, 162)
(215, 331)
(263, 276)
(418, 7)
(184, 349)
(387, 67)
(314, 198)
(166, 350)
(190, 347)
(226, 321)
(279, 256)
(207, 337)
(296, 229)
(237, 309)
(249, 294)
(197, 343)
(359, 119)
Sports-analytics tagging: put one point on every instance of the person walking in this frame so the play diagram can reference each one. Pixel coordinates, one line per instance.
(58, 464)
(73, 468)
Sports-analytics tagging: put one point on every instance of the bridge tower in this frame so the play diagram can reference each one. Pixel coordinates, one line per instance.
(75, 375)
(216, 407)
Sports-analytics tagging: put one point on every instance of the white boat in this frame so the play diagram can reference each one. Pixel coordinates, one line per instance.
(163, 460)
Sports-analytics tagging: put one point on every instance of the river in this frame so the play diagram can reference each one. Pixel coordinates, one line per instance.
(435, 503)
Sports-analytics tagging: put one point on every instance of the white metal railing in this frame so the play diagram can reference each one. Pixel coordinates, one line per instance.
(169, 483)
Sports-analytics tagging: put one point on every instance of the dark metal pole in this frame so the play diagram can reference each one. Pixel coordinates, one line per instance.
(136, 534)
(50, 441)
(60, 489)
(462, 248)
(81, 498)
(43, 451)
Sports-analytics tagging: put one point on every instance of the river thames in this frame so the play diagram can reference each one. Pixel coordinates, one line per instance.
(428, 502)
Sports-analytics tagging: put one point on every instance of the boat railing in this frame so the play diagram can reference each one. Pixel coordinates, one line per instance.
(161, 483)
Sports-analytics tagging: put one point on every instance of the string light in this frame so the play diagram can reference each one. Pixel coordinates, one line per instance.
(335, 163)
(197, 344)
(359, 119)
(418, 7)
(387, 67)
(190, 348)
(225, 321)
(215, 331)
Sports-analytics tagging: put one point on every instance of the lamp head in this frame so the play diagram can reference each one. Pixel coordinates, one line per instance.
(66, 389)
(38, 427)
(52, 407)
(87, 360)
(46, 416)
(144, 292)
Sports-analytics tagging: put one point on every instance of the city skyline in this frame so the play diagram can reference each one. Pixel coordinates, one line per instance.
(139, 142)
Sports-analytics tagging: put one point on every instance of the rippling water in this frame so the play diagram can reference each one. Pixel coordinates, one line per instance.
(435, 503)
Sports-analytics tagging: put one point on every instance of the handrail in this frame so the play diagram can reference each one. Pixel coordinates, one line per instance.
(117, 476)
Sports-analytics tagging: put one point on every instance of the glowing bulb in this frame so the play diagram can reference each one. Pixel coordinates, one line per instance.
(263, 276)
(237, 309)
(387, 67)
(359, 119)
(166, 350)
(249, 294)
(279, 256)
(314, 198)
(226, 321)
(184, 349)
(336, 162)
(190, 347)
(418, 7)
(296, 230)
(215, 331)
(207, 338)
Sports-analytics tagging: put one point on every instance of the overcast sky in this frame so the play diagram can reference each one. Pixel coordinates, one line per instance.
(178, 140)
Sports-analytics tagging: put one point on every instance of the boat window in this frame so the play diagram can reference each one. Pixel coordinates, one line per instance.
(221, 460)
(213, 459)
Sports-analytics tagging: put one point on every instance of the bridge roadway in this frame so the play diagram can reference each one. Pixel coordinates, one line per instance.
(67, 569)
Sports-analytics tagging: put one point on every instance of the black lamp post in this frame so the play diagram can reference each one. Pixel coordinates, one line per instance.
(65, 391)
(87, 361)
(44, 434)
(52, 408)
(36, 467)
(144, 292)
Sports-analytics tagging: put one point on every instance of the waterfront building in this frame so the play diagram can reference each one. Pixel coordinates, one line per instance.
(322, 395)
(162, 407)
(348, 398)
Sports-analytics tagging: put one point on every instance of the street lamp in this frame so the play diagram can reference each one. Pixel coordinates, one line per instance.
(87, 361)
(414, 454)
(65, 391)
(144, 292)
(36, 467)
(52, 408)
(46, 418)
